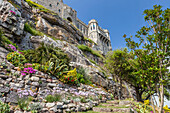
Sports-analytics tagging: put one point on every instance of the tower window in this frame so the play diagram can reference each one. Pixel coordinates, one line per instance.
(50, 5)
(93, 26)
(59, 10)
(57, 3)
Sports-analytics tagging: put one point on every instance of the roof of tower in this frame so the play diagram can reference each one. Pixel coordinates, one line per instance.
(106, 31)
(93, 21)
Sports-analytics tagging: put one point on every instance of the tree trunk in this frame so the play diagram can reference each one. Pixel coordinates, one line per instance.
(138, 95)
(161, 98)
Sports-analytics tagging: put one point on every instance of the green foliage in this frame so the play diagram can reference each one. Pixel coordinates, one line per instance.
(141, 108)
(40, 7)
(48, 59)
(15, 5)
(121, 64)
(4, 108)
(152, 62)
(53, 98)
(86, 48)
(23, 103)
(16, 58)
(31, 30)
(4, 41)
(82, 76)
(83, 100)
(90, 40)
(167, 94)
(92, 61)
(70, 78)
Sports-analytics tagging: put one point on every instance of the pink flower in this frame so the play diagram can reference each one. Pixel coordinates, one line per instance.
(20, 52)
(23, 74)
(12, 12)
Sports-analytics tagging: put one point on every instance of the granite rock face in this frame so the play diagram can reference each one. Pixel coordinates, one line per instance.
(13, 25)
(10, 19)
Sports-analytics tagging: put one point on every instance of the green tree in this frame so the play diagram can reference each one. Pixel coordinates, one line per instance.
(154, 60)
(121, 65)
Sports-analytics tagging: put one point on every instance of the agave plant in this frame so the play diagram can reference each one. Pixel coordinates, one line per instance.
(52, 60)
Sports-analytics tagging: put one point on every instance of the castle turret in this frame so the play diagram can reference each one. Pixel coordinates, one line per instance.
(92, 30)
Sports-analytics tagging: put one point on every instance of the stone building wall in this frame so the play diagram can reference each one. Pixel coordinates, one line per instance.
(54, 5)
(92, 30)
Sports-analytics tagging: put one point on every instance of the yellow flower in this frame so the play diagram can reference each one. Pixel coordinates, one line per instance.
(166, 108)
(146, 102)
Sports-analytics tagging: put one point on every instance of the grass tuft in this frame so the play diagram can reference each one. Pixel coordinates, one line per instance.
(86, 48)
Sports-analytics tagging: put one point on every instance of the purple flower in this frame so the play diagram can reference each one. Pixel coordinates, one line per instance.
(31, 93)
(25, 93)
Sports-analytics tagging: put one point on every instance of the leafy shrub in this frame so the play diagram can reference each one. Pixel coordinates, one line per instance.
(53, 98)
(23, 103)
(82, 76)
(4, 108)
(35, 107)
(16, 59)
(86, 48)
(48, 59)
(45, 54)
(83, 100)
(5, 42)
(71, 77)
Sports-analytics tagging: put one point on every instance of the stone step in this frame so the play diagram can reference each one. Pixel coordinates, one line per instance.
(113, 105)
(111, 110)
(112, 102)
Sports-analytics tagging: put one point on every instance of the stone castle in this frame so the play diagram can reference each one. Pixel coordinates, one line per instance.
(93, 31)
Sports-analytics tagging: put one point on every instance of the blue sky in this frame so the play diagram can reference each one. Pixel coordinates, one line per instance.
(118, 16)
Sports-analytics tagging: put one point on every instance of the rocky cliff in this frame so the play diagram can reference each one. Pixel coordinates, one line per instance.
(13, 27)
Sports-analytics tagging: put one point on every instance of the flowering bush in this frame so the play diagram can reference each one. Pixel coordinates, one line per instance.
(23, 93)
(146, 102)
(16, 58)
(142, 107)
(12, 12)
(71, 77)
(28, 70)
(167, 110)
(12, 47)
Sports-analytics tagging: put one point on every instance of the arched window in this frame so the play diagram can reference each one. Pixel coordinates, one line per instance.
(57, 3)
(93, 26)
(59, 10)
(50, 5)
